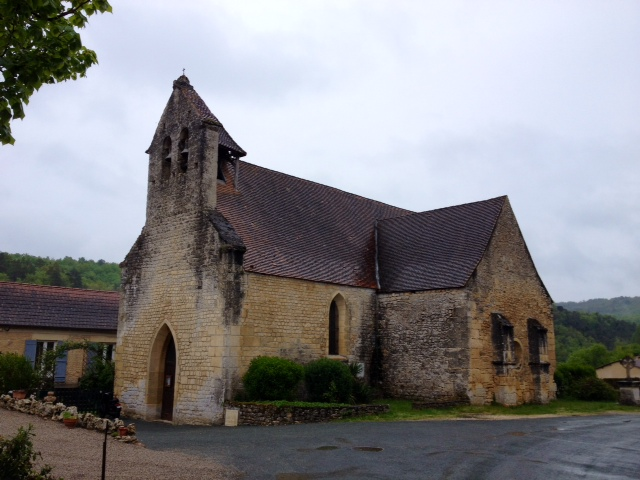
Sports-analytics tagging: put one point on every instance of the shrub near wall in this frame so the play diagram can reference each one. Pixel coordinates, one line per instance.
(580, 382)
(328, 381)
(272, 378)
(16, 373)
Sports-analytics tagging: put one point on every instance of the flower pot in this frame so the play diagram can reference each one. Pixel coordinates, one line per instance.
(50, 398)
(19, 394)
(70, 422)
(124, 431)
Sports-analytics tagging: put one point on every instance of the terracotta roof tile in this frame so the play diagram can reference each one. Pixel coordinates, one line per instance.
(296, 228)
(435, 249)
(39, 306)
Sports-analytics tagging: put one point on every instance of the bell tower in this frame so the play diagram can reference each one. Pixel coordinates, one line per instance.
(176, 358)
(188, 144)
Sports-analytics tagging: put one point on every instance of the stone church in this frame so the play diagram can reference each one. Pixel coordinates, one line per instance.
(235, 261)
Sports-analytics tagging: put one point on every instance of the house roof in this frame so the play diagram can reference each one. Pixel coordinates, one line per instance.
(297, 228)
(39, 306)
(617, 362)
(435, 249)
(182, 83)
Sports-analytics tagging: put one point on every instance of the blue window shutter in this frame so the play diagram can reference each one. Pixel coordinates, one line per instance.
(61, 369)
(30, 351)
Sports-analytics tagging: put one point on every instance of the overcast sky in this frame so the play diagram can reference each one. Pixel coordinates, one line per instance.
(420, 105)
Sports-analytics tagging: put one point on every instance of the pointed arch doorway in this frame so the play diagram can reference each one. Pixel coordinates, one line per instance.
(163, 372)
(168, 385)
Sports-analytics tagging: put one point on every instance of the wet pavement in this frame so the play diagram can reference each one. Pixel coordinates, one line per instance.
(600, 447)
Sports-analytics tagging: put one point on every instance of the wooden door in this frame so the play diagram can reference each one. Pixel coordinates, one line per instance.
(168, 381)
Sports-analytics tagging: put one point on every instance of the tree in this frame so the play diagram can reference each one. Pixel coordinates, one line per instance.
(39, 44)
(594, 356)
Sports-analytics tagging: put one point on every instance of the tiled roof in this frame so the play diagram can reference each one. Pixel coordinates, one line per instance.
(296, 228)
(38, 306)
(190, 94)
(435, 249)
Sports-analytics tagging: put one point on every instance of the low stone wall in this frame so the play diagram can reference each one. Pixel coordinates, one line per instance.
(266, 415)
(429, 405)
(55, 411)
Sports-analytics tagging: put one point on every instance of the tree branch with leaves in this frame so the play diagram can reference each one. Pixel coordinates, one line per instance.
(40, 44)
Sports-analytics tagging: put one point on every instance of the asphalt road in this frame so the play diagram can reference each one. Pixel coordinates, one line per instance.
(601, 447)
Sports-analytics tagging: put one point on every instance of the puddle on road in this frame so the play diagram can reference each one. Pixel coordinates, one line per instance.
(327, 447)
(343, 473)
(517, 434)
(368, 449)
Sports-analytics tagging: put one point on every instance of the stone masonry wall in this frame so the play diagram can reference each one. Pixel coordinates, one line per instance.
(439, 347)
(270, 415)
(168, 291)
(290, 318)
(425, 345)
(506, 283)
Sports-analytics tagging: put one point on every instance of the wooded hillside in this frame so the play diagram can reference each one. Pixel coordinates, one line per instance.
(66, 272)
(579, 330)
(623, 308)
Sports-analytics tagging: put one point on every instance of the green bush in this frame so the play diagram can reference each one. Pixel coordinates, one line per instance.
(328, 381)
(16, 373)
(580, 382)
(17, 458)
(99, 375)
(594, 389)
(272, 378)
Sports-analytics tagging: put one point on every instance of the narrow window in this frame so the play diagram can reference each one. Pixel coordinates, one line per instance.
(183, 148)
(334, 329)
(166, 159)
(538, 350)
(224, 158)
(504, 345)
(41, 349)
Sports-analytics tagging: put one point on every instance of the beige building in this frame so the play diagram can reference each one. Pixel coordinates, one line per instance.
(36, 318)
(236, 261)
(615, 371)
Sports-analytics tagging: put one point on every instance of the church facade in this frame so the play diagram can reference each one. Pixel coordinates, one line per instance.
(235, 261)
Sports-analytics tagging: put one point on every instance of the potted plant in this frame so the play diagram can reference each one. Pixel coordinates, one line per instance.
(123, 431)
(69, 419)
(17, 375)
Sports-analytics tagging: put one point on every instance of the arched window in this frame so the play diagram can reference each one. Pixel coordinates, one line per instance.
(166, 159)
(334, 329)
(183, 148)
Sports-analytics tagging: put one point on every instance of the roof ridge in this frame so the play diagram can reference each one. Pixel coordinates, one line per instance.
(461, 205)
(326, 187)
(59, 287)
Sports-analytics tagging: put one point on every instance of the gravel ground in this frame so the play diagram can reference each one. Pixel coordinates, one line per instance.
(77, 454)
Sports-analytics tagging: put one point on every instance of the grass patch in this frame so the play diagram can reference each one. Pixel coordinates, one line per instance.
(285, 403)
(400, 410)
